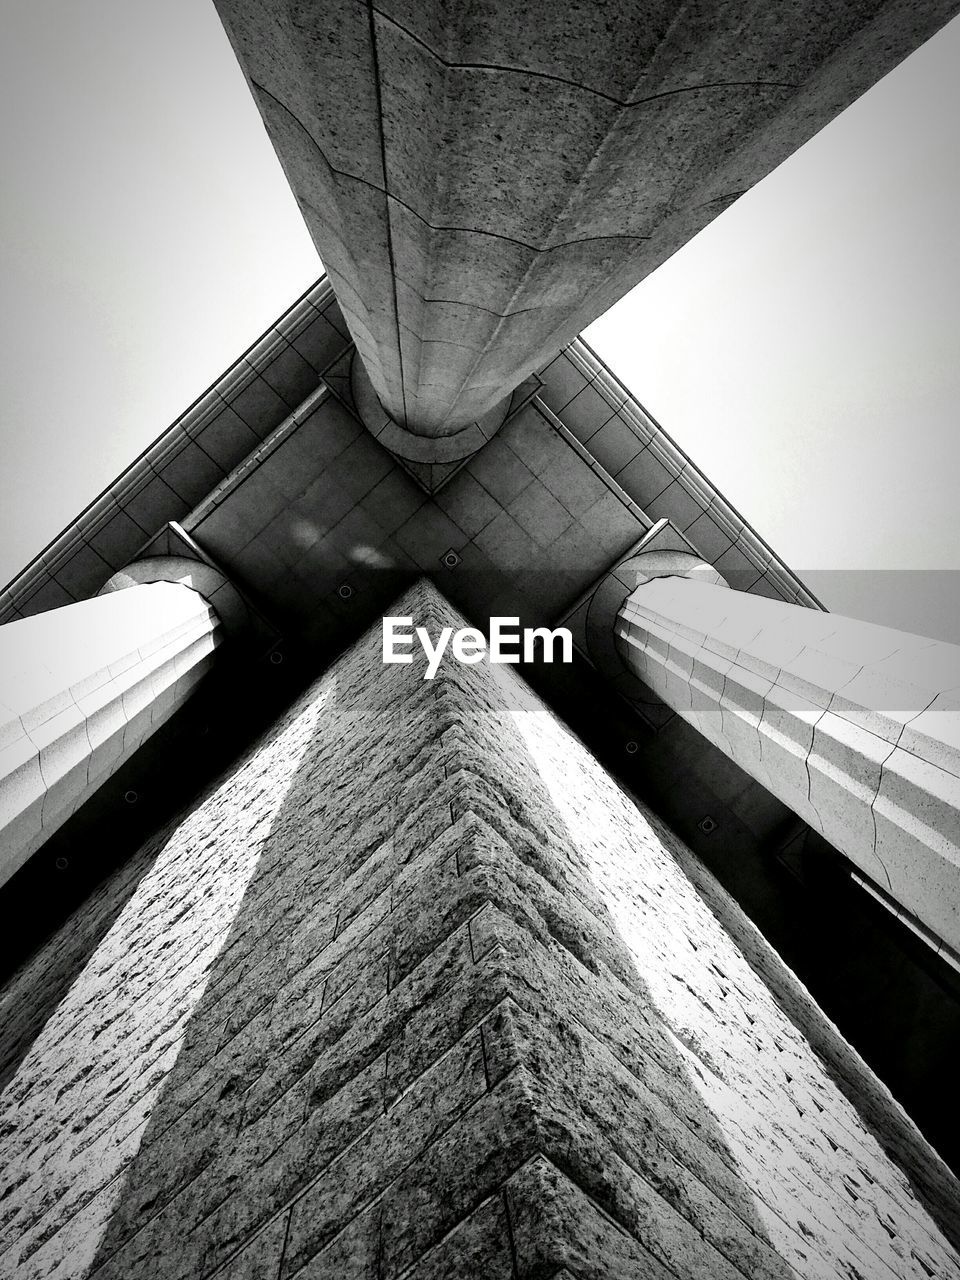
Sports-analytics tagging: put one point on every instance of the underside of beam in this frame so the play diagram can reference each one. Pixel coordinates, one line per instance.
(483, 180)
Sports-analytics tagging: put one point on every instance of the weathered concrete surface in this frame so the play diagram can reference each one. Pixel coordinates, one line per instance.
(855, 726)
(81, 687)
(417, 991)
(484, 179)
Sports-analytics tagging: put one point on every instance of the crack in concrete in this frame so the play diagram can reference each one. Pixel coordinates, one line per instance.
(452, 229)
(627, 103)
(459, 302)
(873, 818)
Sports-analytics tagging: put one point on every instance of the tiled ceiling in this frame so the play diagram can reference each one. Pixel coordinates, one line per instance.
(328, 513)
(275, 478)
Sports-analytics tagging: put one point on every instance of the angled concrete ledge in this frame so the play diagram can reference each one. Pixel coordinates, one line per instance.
(856, 727)
(81, 688)
(193, 456)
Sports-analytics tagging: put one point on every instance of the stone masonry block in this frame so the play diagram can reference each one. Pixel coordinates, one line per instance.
(415, 991)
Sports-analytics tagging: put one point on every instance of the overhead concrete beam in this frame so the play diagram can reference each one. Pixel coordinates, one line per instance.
(484, 179)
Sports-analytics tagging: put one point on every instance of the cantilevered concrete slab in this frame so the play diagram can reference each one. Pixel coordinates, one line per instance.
(484, 179)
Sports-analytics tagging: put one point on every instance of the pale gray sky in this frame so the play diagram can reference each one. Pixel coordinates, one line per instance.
(803, 349)
(148, 236)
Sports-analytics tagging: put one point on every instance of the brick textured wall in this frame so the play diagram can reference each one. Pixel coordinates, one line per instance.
(418, 992)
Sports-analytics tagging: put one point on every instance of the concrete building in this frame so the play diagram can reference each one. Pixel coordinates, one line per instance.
(640, 965)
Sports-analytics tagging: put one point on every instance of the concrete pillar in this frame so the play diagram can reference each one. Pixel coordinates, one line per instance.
(416, 992)
(856, 727)
(81, 688)
(482, 180)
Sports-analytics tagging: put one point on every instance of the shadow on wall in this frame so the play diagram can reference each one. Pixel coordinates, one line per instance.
(470, 1018)
(72, 1117)
(71, 894)
(37, 989)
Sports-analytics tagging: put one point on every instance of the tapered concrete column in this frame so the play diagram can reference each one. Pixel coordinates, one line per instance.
(856, 727)
(80, 689)
(482, 180)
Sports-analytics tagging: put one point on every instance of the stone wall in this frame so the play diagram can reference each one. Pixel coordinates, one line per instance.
(417, 991)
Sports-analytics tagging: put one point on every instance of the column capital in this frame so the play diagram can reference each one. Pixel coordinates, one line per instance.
(662, 552)
(203, 578)
(172, 555)
(431, 458)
